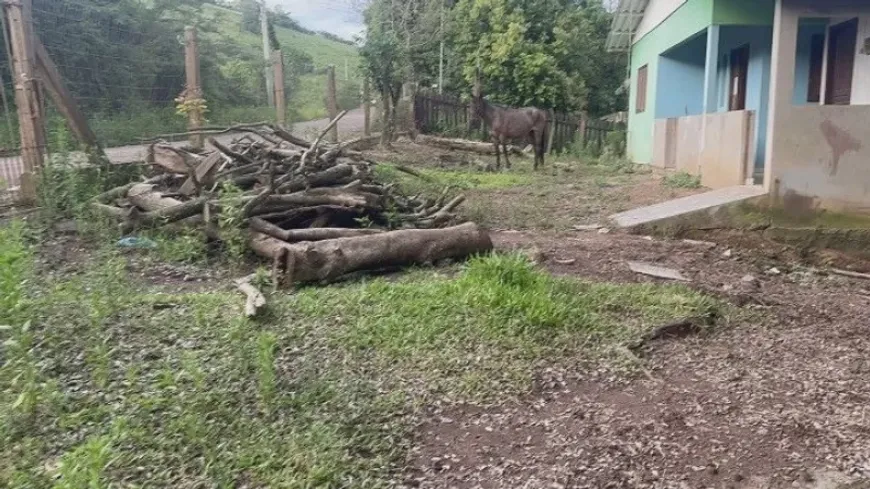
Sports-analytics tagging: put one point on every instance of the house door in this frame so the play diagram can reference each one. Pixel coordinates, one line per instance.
(739, 72)
(841, 62)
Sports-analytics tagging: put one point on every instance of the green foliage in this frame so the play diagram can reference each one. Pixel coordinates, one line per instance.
(230, 221)
(69, 181)
(544, 53)
(681, 179)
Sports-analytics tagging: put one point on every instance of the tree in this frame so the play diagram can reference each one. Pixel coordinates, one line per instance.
(384, 62)
(547, 53)
(400, 46)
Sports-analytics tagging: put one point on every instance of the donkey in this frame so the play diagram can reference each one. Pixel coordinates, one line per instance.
(528, 124)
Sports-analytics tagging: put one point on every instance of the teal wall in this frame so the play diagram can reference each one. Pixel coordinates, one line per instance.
(692, 18)
(681, 80)
(687, 22)
(759, 40)
(743, 12)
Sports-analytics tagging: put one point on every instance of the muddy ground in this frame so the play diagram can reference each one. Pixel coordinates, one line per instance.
(776, 396)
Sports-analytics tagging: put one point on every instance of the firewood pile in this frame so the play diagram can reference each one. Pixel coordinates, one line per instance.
(316, 210)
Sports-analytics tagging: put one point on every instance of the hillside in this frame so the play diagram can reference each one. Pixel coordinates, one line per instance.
(306, 98)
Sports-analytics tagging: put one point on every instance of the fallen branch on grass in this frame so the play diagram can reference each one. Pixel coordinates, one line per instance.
(255, 299)
(464, 145)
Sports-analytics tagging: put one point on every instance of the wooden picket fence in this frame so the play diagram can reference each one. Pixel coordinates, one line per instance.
(448, 115)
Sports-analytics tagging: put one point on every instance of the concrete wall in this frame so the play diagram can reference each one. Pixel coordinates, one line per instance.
(681, 80)
(816, 156)
(690, 19)
(823, 158)
(717, 147)
(727, 155)
(657, 11)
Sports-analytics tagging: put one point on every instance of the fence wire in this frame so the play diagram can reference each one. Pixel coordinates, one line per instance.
(123, 63)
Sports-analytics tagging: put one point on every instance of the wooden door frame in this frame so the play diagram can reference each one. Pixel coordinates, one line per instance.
(830, 65)
(744, 82)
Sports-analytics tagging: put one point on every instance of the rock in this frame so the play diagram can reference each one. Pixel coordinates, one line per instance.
(535, 255)
(604, 231)
(657, 271)
(774, 271)
(705, 244)
(749, 280)
(586, 227)
(728, 254)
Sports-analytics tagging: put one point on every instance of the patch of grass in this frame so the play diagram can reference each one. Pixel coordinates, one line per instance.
(434, 181)
(481, 334)
(681, 180)
(121, 385)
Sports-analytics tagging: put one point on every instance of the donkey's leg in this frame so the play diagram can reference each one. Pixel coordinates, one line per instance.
(497, 155)
(507, 160)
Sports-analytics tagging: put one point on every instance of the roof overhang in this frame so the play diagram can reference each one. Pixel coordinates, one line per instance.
(626, 19)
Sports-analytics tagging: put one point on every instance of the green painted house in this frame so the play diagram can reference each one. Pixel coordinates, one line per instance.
(753, 92)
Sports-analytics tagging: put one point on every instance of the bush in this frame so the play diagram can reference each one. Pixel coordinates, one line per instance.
(682, 180)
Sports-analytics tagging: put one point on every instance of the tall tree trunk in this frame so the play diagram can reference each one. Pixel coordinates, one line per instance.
(386, 130)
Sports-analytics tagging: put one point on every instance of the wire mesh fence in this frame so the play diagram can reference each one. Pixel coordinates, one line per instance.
(123, 63)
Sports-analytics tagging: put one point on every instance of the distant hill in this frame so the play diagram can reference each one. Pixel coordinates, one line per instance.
(306, 99)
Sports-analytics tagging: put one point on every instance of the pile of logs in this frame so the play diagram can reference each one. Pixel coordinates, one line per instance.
(316, 210)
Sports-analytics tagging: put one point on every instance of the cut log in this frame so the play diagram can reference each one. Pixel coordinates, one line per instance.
(321, 179)
(144, 196)
(314, 234)
(119, 192)
(171, 159)
(325, 261)
(464, 145)
(326, 196)
(204, 173)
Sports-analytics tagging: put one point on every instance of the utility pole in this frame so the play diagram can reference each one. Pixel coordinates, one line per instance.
(441, 58)
(267, 54)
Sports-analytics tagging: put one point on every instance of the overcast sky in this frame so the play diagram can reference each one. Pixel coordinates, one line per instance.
(340, 17)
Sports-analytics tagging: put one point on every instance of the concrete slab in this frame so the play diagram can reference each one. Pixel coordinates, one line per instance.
(707, 201)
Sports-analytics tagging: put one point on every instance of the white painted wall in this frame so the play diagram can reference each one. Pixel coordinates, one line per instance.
(657, 11)
(861, 77)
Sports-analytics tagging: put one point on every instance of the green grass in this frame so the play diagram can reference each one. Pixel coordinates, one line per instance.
(108, 383)
(682, 180)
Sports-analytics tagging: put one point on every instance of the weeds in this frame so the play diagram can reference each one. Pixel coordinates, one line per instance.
(682, 180)
(199, 396)
(265, 365)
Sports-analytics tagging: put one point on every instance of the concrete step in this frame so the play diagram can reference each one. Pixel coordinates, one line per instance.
(708, 201)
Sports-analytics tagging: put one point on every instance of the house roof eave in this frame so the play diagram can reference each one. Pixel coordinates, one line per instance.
(626, 20)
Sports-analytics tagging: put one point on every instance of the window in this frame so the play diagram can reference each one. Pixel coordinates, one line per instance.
(640, 103)
(817, 58)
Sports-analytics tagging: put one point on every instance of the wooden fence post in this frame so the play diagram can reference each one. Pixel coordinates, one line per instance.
(331, 101)
(553, 128)
(31, 129)
(193, 91)
(280, 98)
(476, 91)
(583, 130)
(367, 107)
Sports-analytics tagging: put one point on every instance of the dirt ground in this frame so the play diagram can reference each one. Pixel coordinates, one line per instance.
(775, 397)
